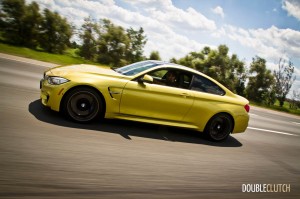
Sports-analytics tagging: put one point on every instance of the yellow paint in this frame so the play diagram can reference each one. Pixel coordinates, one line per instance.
(126, 98)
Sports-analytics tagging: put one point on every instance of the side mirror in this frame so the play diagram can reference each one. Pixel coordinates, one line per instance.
(146, 79)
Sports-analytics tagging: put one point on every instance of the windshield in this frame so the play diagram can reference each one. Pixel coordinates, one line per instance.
(136, 68)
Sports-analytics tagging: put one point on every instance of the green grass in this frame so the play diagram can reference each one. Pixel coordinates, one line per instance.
(276, 107)
(69, 57)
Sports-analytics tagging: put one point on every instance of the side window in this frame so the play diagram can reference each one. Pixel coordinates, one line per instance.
(159, 74)
(185, 80)
(172, 77)
(203, 84)
(166, 77)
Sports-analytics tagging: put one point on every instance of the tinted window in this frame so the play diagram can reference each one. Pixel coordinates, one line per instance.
(159, 74)
(172, 77)
(185, 80)
(138, 67)
(205, 85)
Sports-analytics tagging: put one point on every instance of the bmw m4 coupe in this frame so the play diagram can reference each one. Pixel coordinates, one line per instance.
(148, 91)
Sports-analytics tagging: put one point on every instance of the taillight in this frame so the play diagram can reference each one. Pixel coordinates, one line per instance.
(247, 108)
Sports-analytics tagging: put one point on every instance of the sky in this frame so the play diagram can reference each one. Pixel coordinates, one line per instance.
(266, 28)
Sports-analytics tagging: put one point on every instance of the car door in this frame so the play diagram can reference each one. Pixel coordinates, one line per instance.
(208, 100)
(155, 100)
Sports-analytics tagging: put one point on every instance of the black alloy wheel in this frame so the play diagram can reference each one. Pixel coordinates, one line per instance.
(83, 105)
(219, 127)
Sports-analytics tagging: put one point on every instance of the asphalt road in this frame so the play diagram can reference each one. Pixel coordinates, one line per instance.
(42, 155)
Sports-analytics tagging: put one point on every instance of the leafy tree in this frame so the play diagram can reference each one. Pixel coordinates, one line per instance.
(56, 32)
(222, 61)
(113, 43)
(20, 22)
(136, 45)
(227, 70)
(12, 15)
(284, 79)
(2, 22)
(12, 20)
(260, 82)
(75, 45)
(193, 60)
(89, 35)
(236, 75)
(174, 60)
(270, 96)
(295, 101)
(32, 22)
(154, 55)
(206, 50)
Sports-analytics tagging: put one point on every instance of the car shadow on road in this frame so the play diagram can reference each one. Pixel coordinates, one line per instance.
(129, 128)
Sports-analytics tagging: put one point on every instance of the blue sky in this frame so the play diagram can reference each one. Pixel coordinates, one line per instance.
(244, 13)
(266, 28)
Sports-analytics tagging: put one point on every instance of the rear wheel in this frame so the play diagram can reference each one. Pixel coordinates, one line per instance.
(83, 105)
(219, 127)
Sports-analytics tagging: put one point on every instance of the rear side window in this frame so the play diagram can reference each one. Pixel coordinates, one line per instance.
(203, 84)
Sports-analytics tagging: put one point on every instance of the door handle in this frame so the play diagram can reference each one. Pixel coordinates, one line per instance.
(184, 95)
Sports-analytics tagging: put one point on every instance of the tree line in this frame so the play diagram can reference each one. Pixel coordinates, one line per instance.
(107, 43)
(25, 25)
(104, 42)
(257, 83)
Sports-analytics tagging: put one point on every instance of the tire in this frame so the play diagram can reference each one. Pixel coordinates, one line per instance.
(219, 127)
(83, 105)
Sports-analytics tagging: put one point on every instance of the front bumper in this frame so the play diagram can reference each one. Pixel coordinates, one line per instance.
(51, 95)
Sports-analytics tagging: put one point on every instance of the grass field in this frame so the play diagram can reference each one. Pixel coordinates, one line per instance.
(285, 108)
(70, 57)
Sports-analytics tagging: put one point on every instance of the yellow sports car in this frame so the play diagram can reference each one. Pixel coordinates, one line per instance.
(148, 91)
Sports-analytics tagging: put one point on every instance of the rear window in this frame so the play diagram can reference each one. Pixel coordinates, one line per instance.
(205, 85)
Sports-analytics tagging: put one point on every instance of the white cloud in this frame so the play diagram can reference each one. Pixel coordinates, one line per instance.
(219, 33)
(292, 7)
(160, 4)
(271, 43)
(219, 11)
(165, 12)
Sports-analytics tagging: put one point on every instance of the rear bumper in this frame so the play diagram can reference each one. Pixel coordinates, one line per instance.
(241, 123)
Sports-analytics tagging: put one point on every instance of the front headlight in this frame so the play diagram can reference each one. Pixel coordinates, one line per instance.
(56, 80)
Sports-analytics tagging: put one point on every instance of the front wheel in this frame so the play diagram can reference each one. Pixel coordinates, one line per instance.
(219, 127)
(83, 105)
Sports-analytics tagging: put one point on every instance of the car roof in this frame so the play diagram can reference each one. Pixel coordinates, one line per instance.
(173, 65)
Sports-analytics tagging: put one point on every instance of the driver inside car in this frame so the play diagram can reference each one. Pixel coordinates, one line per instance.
(172, 79)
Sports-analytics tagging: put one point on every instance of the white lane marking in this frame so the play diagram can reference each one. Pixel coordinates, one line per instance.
(296, 123)
(251, 114)
(266, 130)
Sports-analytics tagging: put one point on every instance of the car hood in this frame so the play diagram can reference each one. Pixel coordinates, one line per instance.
(63, 71)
